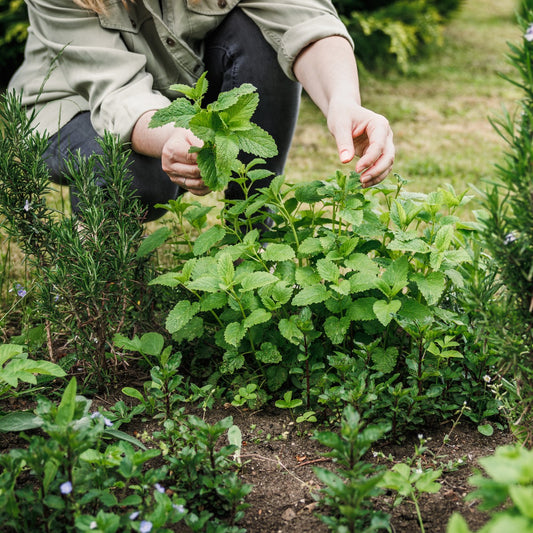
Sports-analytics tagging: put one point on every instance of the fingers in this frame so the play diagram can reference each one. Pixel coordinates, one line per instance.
(180, 164)
(194, 185)
(376, 162)
(371, 139)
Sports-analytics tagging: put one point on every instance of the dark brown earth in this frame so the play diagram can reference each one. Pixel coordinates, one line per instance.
(278, 456)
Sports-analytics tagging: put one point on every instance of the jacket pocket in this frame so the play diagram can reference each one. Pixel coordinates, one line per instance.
(118, 17)
(211, 7)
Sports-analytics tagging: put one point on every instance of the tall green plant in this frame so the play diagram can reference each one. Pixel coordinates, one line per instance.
(507, 228)
(88, 274)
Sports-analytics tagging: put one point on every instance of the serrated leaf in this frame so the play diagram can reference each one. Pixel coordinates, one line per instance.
(314, 294)
(290, 331)
(256, 280)
(414, 245)
(431, 286)
(444, 238)
(179, 113)
(427, 482)
(278, 252)
(310, 246)
(215, 300)
(361, 263)
(205, 283)
(385, 359)
(385, 310)
(234, 333)
(228, 98)
(268, 354)
(205, 125)
(226, 152)
(208, 239)
(364, 281)
(181, 314)
(362, 309)
(352, 216)
(194, 329)
(306, 276)
(168, 279)
(257, 316)
(257, 141)
(396, 275)
(208, 169)
(328, 270)
(336, 328)
(225, 269)
(239, 114)
(153, 241)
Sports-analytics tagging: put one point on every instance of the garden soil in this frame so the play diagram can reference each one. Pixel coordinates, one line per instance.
(278, 457)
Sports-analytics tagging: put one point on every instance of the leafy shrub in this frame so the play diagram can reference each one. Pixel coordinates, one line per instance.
(88, 275)
(393, 32)
(13, 33)
(351, 284)
(509, 484)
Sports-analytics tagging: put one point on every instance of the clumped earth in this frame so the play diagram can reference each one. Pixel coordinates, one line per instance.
(278, 458)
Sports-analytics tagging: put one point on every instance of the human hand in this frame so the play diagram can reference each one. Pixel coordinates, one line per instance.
(180, 164)
(363, 133)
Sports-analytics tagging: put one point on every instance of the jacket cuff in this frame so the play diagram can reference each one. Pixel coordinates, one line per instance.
(298, 37)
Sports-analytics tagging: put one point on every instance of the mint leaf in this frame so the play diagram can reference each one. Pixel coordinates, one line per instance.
(257, 141)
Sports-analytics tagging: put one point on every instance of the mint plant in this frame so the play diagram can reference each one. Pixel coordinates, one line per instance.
(506, 490)
(16, 366)
(348, 491)
(224, 126)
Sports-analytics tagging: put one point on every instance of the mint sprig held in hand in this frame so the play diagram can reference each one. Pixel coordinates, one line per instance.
(224, 126)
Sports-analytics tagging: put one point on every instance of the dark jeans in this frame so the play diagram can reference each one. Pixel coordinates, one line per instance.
(235, 53)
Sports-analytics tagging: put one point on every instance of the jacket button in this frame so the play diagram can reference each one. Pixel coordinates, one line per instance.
(222, 4)
(170, 41)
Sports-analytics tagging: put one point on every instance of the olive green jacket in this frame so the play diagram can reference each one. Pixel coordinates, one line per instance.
(120, 64)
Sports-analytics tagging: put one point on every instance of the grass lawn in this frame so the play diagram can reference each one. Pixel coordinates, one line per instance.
(439, 110)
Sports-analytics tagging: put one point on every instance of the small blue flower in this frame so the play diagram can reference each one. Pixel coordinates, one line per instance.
(134, 515)
(159, 488)
(96, 414)
(180, 508)
(145, 526)
(66, 487)
(22, 292)
(528, 36)
(107, 422)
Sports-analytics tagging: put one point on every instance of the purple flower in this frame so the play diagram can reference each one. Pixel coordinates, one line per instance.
(66, 487)
(134, 515)
(145, 526)
(180, 508)
(22, 292)
(159, 488)
(510, 237)
(528, 36)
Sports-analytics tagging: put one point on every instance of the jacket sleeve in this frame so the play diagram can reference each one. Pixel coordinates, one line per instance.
(95, 64)
(290, 26)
